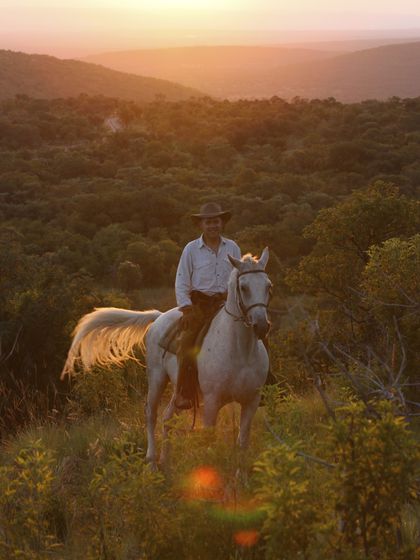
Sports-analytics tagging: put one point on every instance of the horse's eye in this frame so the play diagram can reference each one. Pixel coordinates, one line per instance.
(245, 288)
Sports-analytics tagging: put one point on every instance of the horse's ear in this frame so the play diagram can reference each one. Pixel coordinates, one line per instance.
(264, 258)
(235, 262)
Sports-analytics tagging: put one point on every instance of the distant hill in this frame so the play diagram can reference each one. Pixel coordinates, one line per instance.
(224, 71)
(379, 73)
(49, 77)
(351, 45)
(235, 72)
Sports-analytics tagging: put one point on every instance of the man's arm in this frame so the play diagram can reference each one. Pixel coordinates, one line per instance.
(183, 279)
(233, 250)
(236, 251)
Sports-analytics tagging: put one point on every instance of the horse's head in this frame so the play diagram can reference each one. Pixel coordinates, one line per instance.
(252, 291)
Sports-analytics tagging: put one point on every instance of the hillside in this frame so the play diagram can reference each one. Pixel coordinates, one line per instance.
(225, 71)
(102, 218)
(379, 73)
(234, 72)
(92, 219)
(49, 77)
(354, 44)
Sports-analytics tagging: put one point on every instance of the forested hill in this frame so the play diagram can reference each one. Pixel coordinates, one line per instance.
(49, 77)
(235, 72)
(91, 218)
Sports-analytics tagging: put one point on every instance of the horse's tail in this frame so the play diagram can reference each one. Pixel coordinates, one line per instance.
(107, 336)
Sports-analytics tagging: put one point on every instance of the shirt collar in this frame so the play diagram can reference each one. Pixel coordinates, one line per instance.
(202, 244)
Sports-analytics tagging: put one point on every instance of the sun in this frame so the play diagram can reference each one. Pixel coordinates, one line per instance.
(193, 5)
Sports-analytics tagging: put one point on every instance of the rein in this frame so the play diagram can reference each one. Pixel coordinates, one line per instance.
(244, 310)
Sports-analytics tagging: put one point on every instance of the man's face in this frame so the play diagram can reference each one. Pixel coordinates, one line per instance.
(212, 227)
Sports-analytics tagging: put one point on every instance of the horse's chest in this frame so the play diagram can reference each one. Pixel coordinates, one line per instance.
(226, 373)
(223, 361)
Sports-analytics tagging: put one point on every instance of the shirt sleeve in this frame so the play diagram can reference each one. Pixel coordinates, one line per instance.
(234, 250)
(183, 279)
(237, 251)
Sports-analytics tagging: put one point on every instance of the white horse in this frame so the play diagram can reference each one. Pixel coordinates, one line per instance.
(232, 363)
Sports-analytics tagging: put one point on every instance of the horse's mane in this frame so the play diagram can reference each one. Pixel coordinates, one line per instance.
(249, 258)
(249, 261)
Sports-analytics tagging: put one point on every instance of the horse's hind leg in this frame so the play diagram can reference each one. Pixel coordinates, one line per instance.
(157, 383)
(171, 409)
(211, 407)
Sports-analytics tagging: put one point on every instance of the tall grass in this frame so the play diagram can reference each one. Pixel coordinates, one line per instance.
(82, 485)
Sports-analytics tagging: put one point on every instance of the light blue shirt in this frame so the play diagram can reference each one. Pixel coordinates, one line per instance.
(201, 269)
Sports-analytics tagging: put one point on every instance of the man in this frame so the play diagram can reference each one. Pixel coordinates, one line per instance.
(201, 288)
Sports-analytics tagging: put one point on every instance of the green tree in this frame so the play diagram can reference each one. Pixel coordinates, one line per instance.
(129, 276)
(391, 285)
(343, 235)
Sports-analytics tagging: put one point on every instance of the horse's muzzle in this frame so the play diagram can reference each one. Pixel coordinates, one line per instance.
(261, 328)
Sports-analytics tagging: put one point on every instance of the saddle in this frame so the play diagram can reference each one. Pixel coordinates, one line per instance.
(171, 337)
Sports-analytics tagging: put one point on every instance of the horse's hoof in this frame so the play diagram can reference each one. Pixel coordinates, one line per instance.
(152, 464)
(154, 467)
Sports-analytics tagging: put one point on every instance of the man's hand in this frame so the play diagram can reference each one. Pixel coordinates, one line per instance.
(187, 317)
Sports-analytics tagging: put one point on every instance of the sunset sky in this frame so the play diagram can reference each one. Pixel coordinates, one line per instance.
(89, 26)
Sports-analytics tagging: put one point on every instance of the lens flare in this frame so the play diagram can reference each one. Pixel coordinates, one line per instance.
(245, 512)
(247, 539)
(204, 483)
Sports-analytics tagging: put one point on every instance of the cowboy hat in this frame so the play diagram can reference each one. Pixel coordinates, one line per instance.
(212, 210)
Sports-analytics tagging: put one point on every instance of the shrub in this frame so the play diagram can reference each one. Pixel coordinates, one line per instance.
(132, 509)
(376, 466)
(294, 519)
(26, 504)
(101, 390)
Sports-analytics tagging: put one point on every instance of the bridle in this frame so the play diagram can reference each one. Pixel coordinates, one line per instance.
(244, 310)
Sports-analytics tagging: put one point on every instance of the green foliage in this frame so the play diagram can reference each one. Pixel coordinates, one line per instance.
(85, 491)
(78, 202)
(131, 508)
(297, 419)
(294, 519)
(376, 460)
(344, 235)
(391, 287)
(286, 348)
(366, 282)
(129, 276)
(391, 277)
(99, 391)
(27, 505)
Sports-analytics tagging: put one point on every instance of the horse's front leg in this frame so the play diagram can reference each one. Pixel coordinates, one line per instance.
(248, 411)
(211, 407)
